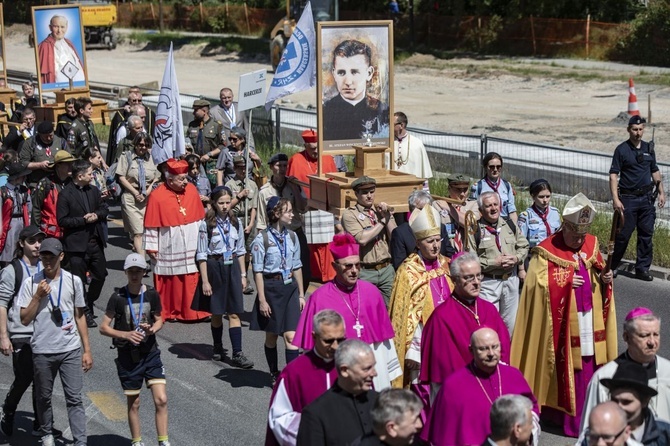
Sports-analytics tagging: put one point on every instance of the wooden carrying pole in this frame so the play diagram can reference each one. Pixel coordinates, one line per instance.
(588, 31)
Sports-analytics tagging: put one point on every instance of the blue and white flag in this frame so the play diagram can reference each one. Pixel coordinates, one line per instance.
(169, 128)
(297, 68)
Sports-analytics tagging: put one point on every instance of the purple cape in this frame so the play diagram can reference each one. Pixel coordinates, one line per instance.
(459, 416)
(305, 379)
(446, 337)
(372, 316)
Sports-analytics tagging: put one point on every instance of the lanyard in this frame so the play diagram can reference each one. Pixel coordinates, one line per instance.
(231, 115)
(25, 265)
(60, 288)
(136, 320)
(223, 231)
(284, 251)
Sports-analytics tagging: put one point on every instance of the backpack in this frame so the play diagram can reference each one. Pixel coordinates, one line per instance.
(110, 176)
(510, 223)
(18, 276)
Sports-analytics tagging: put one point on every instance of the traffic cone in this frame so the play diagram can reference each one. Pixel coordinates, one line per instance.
(633, 109)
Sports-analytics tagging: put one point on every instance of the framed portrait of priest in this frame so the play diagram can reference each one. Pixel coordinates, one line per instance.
(354, 84)
(60, 53)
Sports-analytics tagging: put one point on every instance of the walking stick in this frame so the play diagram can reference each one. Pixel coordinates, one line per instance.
(617, 226)
(470, 225)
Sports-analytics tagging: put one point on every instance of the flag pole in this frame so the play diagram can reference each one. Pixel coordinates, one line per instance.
(246, 169)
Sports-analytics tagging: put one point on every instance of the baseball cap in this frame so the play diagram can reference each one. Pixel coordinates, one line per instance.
(30, 232)
(51, 245)
(135, 260)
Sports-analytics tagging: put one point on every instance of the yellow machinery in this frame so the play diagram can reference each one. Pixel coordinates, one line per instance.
(322, 10)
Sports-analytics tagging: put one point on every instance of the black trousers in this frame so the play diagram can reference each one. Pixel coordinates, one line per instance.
(94, 262)
(22, 363)
(639, 213)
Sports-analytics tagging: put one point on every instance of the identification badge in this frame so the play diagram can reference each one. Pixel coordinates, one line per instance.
(68, 321)
(361, 217)
(57, 316)
(450, 230)
(286, 275)
(228, 258)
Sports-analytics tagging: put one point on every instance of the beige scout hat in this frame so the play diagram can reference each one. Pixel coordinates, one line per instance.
(425, 222)
(578, 214)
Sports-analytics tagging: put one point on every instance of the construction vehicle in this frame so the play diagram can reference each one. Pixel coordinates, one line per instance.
(322, 10)
(98, 18)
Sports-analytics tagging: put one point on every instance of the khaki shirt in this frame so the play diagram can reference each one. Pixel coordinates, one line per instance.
(291, 192)
(510, 244)
(238, 185)
(212, 137)
(355, 220)
(452, 226)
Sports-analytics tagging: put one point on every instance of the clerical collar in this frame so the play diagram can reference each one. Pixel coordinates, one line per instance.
(468, 302)
(322, 358)
(645, 365)
(343, 287)
(81, 187)
(401, 137)
(354, 103)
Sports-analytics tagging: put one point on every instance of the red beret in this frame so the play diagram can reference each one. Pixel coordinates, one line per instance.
(177, 167)
(309, 136)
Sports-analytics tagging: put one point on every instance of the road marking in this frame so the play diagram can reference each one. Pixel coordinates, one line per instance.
(110, 405)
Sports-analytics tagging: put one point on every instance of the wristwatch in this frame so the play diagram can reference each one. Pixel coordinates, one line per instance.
(244, 274)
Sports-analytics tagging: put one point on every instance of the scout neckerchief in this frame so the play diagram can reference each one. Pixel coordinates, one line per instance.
(495, 232)
(543, 216)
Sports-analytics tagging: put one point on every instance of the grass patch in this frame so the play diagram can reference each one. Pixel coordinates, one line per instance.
(102, 131)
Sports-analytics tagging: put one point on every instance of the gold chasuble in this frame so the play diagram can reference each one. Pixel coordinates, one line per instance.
(546, 342)
(412, 302)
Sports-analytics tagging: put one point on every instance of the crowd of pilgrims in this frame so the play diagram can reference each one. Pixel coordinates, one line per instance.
(417, 329)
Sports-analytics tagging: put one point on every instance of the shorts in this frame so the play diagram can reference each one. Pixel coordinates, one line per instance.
(131, 374)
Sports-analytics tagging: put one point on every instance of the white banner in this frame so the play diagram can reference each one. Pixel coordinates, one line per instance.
(169, 128)
(252, 90)
(297, 68)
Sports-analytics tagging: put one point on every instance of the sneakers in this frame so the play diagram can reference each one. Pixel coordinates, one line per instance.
(164, 443)
(218, 352)
(90, 322)
(6, 423)
(48, 440)
(241, 361)
(137, 443)
(38, 433)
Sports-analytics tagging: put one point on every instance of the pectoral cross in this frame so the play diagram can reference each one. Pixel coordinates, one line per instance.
(358, 327)
(182, 210)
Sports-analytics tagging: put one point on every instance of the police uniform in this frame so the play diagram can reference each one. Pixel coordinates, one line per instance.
(376, 265)
(536, 228)
(500, 286)
(635, 168)
(81, 136)
(277, 264)
(221, 246)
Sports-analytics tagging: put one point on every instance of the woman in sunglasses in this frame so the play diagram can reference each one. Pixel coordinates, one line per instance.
(136, 173)
(237, 147)
(493, 181)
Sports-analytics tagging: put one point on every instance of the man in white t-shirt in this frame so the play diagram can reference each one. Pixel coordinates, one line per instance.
(53, 299)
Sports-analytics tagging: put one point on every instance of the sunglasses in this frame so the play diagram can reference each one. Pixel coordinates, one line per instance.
(494, 167)
(141, 145)
(332, 341)
(136, 101)
(231, 139)
(350, 265)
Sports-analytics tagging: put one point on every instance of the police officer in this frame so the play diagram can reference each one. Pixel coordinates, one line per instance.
(206, 138)
(634, 166)
(82, 135)
(372, 225)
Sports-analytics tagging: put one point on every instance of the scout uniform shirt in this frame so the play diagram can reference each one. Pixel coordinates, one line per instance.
(355, 220)
(209, 139)
(81, 136)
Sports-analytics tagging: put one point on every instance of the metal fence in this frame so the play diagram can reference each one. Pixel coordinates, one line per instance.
(568, 170)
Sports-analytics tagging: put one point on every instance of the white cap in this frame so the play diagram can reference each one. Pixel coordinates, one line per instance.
(425, 222)
(578, 214)
(134, 259)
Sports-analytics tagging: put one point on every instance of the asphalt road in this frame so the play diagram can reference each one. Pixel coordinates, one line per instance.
(211, 403)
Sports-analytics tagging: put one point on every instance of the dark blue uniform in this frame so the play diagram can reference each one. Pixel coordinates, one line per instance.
(635, 167)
